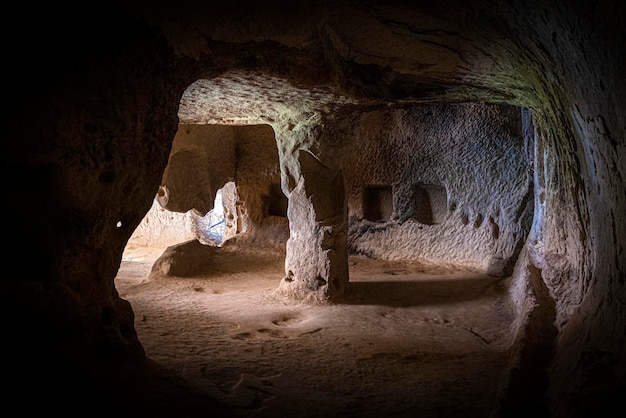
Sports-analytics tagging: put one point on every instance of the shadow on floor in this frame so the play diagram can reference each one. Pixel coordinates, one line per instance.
(403, 294)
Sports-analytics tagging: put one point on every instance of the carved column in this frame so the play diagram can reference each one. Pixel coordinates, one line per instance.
(316, 262)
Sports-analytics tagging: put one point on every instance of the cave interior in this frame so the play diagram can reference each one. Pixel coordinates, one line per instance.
(484, 137)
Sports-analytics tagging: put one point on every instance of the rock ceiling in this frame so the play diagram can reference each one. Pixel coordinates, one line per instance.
(241, 98)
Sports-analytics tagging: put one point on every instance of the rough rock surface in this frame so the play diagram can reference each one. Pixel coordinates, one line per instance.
(410, 191)
(97, 98)
(441, 209)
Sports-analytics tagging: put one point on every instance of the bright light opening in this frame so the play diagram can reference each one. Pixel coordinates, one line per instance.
(210, 228)
(216, 219)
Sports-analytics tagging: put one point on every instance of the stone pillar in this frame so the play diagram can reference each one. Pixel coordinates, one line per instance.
(316, 262)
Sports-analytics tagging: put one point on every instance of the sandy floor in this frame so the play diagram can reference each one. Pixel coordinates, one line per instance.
(409, 342)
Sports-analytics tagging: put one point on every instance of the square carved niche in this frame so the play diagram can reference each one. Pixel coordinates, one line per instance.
(378, 203)
(431, 203)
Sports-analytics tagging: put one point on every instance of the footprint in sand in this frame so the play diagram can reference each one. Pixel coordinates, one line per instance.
(287, 319)
(243, 336)
(273, 333)
(396, 272)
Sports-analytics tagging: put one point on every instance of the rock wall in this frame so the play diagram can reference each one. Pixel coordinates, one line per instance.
(258, 180)
(242, 162)
(201, 161)
(162, 228)
(446, 184)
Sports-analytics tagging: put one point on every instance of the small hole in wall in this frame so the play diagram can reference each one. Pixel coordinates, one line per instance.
(377, 203)
(478, 221)
(495, 228)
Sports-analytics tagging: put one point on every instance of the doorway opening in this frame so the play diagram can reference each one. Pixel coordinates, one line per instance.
(220, 223)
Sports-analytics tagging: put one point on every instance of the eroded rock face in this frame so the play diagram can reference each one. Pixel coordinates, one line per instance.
(95, 112)
(241, 162)
(200, 163)
(161, 227)
(443, 184)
